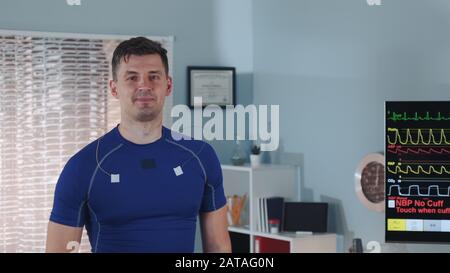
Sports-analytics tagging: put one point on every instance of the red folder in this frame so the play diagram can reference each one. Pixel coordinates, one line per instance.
(269, 245)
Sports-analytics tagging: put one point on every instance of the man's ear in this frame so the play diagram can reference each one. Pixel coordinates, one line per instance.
(169, 85)
(113, 87)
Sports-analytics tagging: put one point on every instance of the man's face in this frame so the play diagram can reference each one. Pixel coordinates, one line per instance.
(141, 87)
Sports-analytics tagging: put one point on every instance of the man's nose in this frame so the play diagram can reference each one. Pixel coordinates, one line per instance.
(144, 83)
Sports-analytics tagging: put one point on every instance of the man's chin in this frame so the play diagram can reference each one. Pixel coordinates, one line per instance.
(144, 116)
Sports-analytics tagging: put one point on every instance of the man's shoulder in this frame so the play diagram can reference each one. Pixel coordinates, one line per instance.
(94, 148)
(199, 147)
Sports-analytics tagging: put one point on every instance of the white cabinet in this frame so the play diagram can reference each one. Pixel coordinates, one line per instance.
(269, 181)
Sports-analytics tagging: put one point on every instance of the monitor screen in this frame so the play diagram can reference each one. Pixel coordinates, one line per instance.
(305, 216)
(417, 170)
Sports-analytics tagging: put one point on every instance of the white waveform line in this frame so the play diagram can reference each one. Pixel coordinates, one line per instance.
(418, 191)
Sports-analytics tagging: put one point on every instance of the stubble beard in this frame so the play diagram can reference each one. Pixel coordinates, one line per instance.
(148, 114)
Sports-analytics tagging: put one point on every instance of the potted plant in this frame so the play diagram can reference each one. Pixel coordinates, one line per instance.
(255, 156)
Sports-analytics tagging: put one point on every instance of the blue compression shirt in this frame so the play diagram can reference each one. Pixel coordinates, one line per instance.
(139, 198)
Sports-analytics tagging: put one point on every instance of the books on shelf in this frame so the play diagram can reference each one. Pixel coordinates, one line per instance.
(269, 208)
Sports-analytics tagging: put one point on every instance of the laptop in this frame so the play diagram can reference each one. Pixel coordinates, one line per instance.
(305, 217)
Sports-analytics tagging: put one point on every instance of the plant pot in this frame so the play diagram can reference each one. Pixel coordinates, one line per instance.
(255, 160)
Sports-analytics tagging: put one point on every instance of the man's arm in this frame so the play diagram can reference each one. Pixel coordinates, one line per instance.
(59, 236)
(215, 236)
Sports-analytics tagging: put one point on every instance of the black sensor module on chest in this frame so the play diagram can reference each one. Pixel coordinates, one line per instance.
(148, 164)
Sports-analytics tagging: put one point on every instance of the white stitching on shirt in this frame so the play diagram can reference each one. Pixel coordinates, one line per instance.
(98, 232)
(89, 191)
(90, 183)
(201, 165)
(98, 165)
(79, 212)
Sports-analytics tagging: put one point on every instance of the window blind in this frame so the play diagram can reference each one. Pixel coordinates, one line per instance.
(54, 99)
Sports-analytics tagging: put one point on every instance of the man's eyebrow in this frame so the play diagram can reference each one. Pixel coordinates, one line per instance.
(155, 72)
(128, 72)
(152, 72)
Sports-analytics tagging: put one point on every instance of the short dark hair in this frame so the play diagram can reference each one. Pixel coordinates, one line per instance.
(137, 46)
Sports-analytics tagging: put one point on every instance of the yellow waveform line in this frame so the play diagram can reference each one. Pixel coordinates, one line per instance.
(419, 170)
(419, 139)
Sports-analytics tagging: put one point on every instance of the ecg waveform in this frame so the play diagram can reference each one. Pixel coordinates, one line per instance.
(400, 150)
(418, 170)
(419, 138)
(394, 116)
(418, 191)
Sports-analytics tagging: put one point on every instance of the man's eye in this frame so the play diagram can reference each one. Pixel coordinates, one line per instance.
(133, 78)
(154, 77)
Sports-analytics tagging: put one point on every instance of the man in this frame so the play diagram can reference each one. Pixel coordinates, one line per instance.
(137, 189)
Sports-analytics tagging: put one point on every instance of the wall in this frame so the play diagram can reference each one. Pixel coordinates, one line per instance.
(330, 65)
(207, 32)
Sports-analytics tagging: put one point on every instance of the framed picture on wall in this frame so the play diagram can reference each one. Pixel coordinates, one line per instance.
(213, 84)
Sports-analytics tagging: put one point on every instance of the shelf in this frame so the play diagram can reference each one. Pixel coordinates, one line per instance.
(242, 230)
(262, 181)
(284, 236)
(302, 243)
(278, 236)
(249, 168)
(289, 236)
(237, 168)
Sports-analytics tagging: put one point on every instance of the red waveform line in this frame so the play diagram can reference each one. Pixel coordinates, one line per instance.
(399, 150)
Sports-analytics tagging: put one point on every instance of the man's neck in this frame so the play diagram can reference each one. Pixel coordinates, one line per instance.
(141, 132)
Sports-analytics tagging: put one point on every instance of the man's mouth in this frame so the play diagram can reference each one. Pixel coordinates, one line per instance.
(144, 99)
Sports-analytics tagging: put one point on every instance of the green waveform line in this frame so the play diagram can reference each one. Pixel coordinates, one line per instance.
(419, 139)
(418, 170)
(394, 116)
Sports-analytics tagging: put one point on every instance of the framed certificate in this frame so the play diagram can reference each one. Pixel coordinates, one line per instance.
(215, 85)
